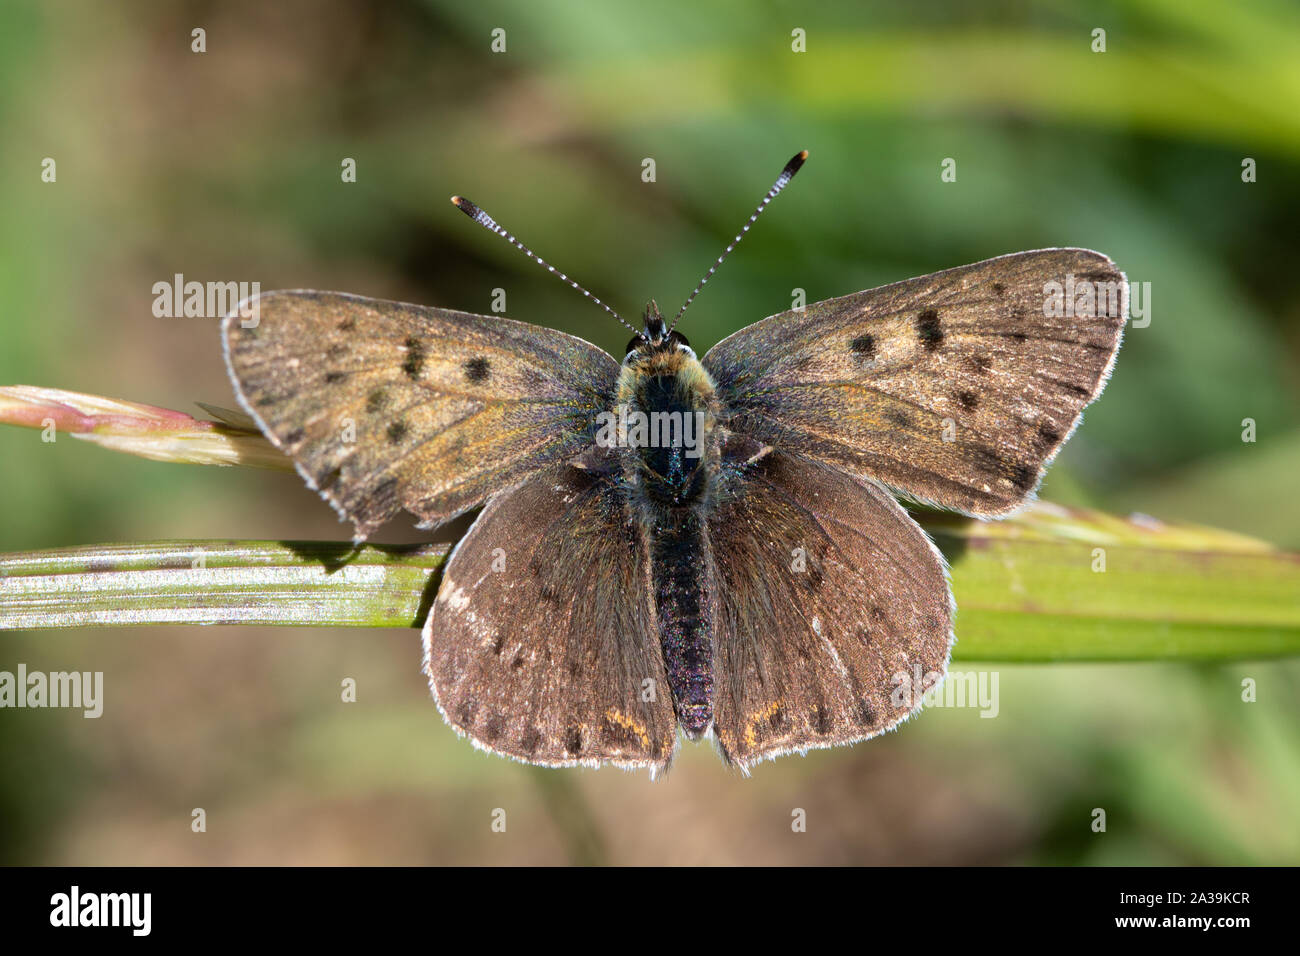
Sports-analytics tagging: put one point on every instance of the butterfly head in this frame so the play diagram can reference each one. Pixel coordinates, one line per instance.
(656, 338)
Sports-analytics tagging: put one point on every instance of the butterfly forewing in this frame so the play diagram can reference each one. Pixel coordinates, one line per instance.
(832, 610)
(384, 405)
(957, 388)
(541, 643)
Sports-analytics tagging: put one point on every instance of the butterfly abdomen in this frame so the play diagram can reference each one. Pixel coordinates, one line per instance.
(682, 613)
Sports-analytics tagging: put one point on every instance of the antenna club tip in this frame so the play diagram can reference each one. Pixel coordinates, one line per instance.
(796, 161)
(465, 206)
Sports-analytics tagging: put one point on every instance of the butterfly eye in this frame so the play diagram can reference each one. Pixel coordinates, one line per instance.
(678, 339)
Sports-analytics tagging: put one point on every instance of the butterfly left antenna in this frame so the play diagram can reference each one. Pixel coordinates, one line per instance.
(490, 224)
(782, 181)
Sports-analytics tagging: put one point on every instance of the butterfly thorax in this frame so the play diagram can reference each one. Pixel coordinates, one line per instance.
(667, 412)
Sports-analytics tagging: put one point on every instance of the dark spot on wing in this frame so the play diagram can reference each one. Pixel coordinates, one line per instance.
(864, 345)
(1048, 434)
(1018, 337)
(968, 400)
(823, 720)
(336, 351)
(383, 498)
(397, 431)
(477, 370)
(898, 417)
(414, 363)
(533, 378)
(263, 399)
(532, 737)
(866, 713)
(376, 400)
(334, 378)
(518, 662)
(928, 330)
(777, 719)
(293, 437)
(999, 288)
(498, 644)
(982, 363)
(348, 324)
(1024, 477)
(988, 461)
(495, 726)
(328, 480)
(573, 740)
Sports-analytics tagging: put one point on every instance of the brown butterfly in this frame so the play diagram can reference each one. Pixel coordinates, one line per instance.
(673, 543)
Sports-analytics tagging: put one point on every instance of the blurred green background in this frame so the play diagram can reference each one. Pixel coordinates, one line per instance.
(226, 165)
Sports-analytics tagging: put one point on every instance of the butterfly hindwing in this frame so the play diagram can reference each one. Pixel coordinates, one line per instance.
(956, 388)
(383, 405)
(541, 643)
(832, 609)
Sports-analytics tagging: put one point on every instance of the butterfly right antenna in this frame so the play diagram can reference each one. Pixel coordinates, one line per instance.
(782, 181)
(490, 224)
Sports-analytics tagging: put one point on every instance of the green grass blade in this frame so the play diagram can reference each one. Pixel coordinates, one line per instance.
(1069, 585)
(1026, 588)
(219, 582)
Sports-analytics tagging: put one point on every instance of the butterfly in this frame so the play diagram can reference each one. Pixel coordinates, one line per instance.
(672, 546)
